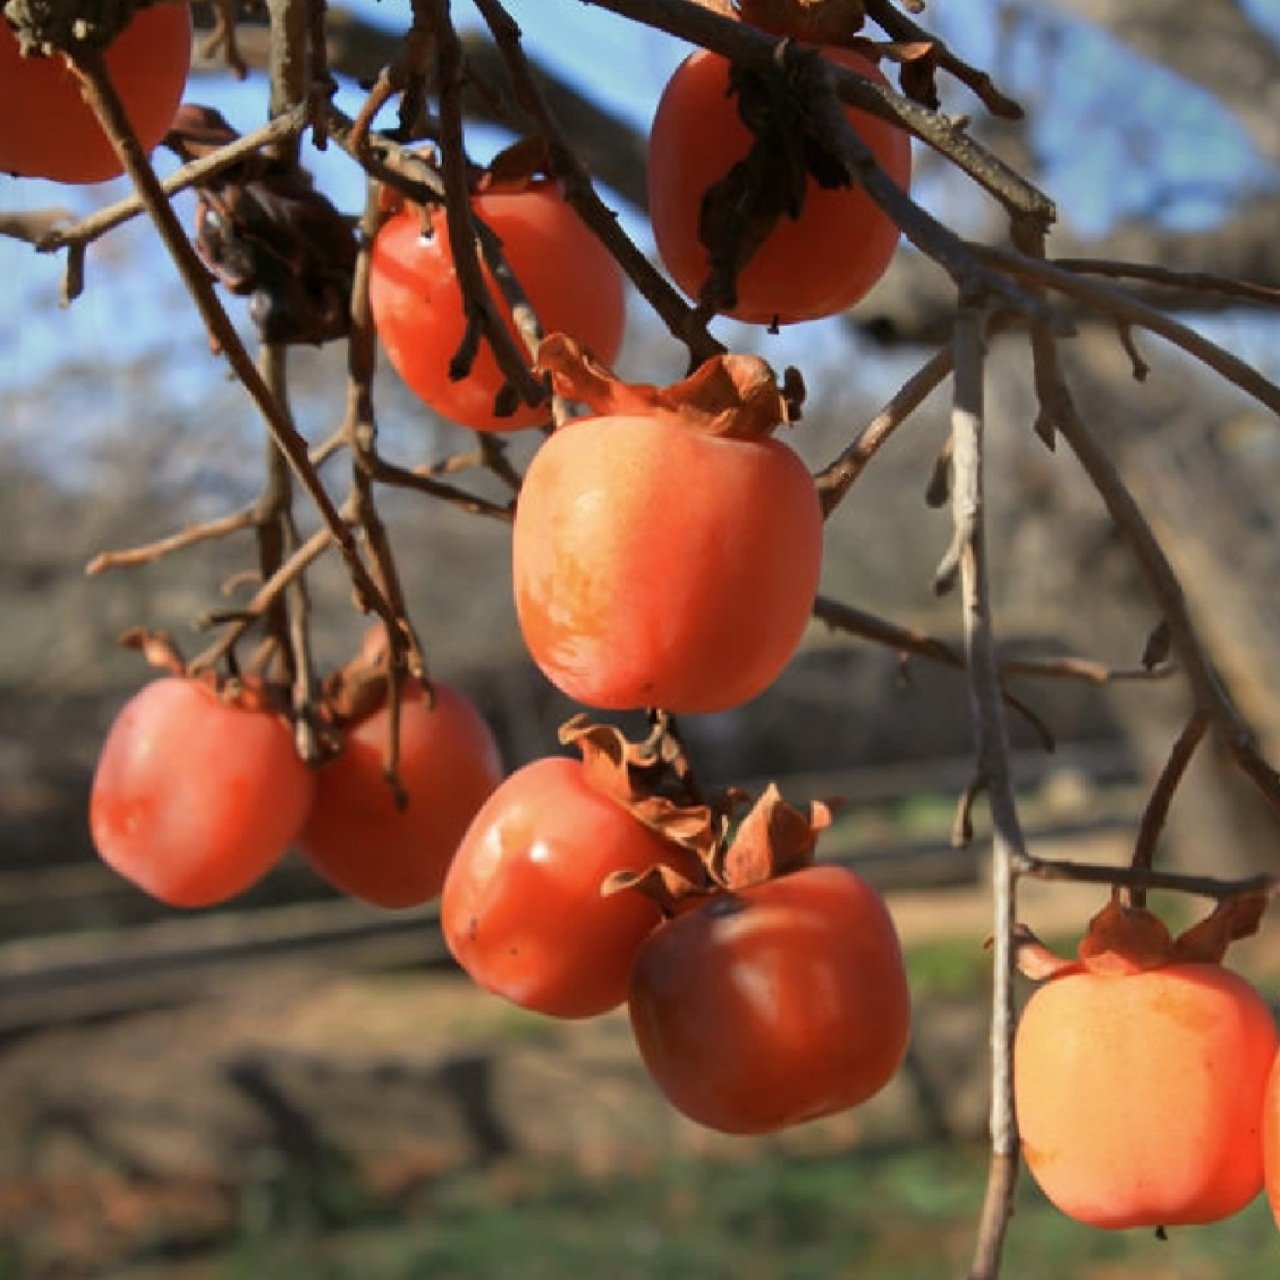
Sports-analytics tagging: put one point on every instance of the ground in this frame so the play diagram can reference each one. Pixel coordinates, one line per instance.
(298, 1087)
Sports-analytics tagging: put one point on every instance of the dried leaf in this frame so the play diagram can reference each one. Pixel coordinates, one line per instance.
(265, 232)
(514, 167)
(158, 648)
(663, 884)
(636, 775)
(773, 838)
(1125, 939)
(732, 396)
(1206, 942)
(821, 21)
(741, 209)
(1035, 960)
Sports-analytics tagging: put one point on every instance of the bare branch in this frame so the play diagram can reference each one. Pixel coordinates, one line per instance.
(105, 103)
(1153, 817)
(991, 744)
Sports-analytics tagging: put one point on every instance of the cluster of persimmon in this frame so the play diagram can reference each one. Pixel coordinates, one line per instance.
(200, 789)
(666, 551)
(665, 554)
(1147, 1081)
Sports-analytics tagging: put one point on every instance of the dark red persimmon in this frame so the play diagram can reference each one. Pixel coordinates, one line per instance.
(572, 282)
(360, 840)
(197, 794)
(46, 128)
(812, 266)
(1140, 1094)
(656, 563)
(522, 910)
(773, 1004)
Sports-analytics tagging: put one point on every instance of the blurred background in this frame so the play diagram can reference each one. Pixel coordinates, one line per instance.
(298, 1085)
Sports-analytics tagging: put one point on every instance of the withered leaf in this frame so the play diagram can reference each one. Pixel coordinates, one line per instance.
(773, 839)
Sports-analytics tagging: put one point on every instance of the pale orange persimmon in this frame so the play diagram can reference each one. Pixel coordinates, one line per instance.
(1140, 1093)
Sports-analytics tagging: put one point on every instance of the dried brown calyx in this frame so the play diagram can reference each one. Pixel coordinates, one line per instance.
(732, 396)
(1124, 939)
(819, 21)
(361, 686)
(252, 692)
(772, 839)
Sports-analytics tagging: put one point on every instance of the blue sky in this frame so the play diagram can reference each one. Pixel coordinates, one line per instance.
(1176, 138)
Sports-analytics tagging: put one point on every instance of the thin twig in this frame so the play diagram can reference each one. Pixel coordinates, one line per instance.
(902, 29)
(196, 173)
(1141, 877)
(1121, 305)
(266, 595)
(739, 40)
(839, 475)
(1206, 685)
(1153, 816)
(105, 103)
(855, 621)
(360, 434)
(991, 742)
(192, 535)
(482, 310)
(1184, 281)
(668, 304)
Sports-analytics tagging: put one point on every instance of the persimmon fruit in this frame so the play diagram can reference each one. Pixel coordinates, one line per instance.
(361, 838)
(572, 282)
(197, 792)
(809, 266)
(522, 909)
(1271, 1139)
(656, 562)
(47, 130)
(773, 1004)
(1139, 1092)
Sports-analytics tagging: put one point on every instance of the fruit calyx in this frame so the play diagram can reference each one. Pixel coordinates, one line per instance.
(817, 21)
(49, 26)
(1123, 939)
(363, 685)
(772, 839)
(247, 692)
(640, 777)
(515, 168)
(734, 397)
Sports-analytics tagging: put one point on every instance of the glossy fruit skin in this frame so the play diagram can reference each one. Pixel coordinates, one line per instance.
(810, 267)
(194, 797)
(360, 840)
(657, 566)
(46, 128)
(774, 1004)
(573, 283)
(1271, 1139)
(522, 911)
(1139, 1095)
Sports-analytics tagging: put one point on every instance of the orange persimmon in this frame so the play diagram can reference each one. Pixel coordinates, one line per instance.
(46, 128)
(666, 552)
(814, 264)
(1139, 1089)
